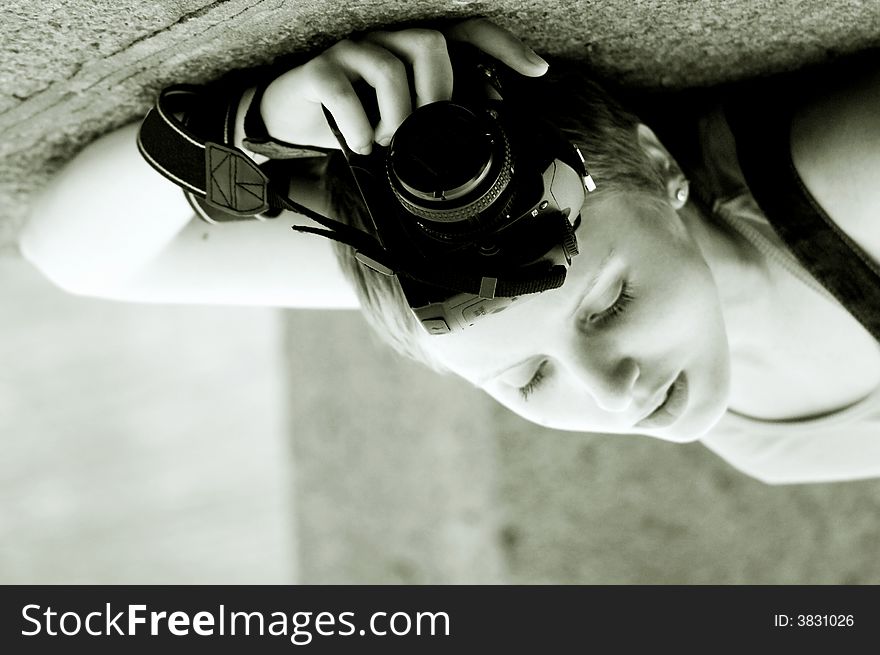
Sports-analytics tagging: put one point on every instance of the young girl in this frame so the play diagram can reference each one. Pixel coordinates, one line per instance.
(687, 314)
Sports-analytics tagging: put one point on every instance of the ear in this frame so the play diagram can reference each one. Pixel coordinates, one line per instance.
(677, 186)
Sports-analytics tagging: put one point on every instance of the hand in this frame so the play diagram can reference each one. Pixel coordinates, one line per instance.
(291, 105)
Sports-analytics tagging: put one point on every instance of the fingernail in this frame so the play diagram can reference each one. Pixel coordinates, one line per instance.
(364, 150)
(535, 58)
(383, 141)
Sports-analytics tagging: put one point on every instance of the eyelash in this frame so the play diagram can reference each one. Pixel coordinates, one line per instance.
(526, 390)
(624, 298)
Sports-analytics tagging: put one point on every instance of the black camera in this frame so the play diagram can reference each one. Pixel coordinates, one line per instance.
(473, 204)
(475, 201)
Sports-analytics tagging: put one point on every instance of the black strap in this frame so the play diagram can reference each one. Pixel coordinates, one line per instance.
(223, 176)
(761, 125)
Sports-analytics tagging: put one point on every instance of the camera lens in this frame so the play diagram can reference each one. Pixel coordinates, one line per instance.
(447, 164)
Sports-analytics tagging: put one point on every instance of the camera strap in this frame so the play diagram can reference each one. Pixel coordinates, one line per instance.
(225, 177)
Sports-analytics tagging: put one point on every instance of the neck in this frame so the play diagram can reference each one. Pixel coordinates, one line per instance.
(745, 282)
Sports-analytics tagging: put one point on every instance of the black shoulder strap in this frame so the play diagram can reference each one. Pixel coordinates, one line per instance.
(225, 177)
(761, 124)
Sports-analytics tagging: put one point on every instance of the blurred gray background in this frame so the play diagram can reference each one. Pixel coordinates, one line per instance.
(225, 445)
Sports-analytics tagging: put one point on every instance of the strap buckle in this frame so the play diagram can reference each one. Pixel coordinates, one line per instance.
(234, 182)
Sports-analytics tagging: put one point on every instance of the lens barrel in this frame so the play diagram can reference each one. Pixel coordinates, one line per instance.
(448, 164)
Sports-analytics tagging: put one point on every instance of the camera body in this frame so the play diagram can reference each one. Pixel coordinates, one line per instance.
(475, 201)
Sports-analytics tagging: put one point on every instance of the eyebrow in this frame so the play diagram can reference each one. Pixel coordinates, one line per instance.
(594, 280)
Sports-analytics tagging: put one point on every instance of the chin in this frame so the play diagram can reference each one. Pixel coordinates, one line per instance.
(697, 421)
(678, 437)
(689, 431)
(708, 402)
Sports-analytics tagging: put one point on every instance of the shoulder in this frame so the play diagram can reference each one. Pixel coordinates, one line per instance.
(835, 146)
(836, 448)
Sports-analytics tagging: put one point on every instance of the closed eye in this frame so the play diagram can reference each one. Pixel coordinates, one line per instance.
(624, 297)
(526, 390)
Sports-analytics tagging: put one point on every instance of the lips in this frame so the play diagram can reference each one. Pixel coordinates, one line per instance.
(671, 407)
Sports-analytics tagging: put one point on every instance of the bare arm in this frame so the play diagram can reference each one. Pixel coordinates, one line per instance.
(110, 226)
(106, 195)
(800, 458)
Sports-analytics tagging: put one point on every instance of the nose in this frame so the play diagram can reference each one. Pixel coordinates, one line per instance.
(609, 380)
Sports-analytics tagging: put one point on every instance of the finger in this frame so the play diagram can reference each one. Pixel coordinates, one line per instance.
(425, 51)
(501, 44)
(386, 74)
(331, 87)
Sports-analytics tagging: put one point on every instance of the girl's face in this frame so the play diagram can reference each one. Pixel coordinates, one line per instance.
(633, 342)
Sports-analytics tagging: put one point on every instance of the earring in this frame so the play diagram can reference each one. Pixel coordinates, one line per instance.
(681, 193)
